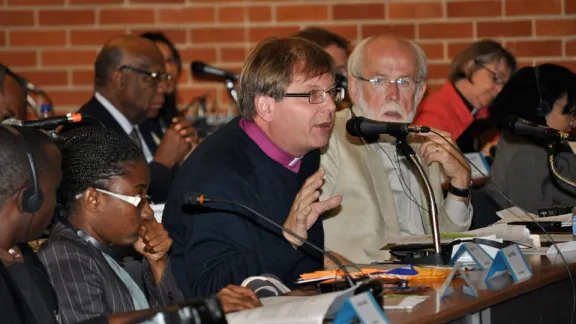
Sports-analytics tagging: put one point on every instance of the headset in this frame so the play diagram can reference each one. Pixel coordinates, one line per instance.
(543, 107)
(33, 198)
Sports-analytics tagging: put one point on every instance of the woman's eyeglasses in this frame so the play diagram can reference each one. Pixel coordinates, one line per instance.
(136, 201)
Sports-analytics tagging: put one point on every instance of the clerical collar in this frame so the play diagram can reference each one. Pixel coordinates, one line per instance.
(269, 148)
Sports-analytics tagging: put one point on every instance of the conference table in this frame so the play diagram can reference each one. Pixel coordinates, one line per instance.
(547, 297)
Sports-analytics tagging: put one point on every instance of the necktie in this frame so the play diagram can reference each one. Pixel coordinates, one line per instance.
(136, 137)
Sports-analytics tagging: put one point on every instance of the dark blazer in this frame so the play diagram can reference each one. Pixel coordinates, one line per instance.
(161, 175)
(521, 171)
(13, 306)
(88, 287)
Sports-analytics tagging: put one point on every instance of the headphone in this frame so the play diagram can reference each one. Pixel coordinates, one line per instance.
(543, 107)
(33, 198)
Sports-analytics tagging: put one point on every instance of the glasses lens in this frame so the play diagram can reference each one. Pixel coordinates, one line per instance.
(337, 94)
(317, 96)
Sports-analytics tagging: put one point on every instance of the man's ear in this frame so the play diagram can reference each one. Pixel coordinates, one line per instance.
(353, 89)
(91, 200)
(264, 107)
(118, 79)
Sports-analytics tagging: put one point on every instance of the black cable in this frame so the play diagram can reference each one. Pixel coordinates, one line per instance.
(532, 218)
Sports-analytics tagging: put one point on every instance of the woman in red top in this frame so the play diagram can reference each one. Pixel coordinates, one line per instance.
(477, 75)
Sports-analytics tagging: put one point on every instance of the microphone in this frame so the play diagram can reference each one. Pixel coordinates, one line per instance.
(201, 68)
(363, 127)
(45, 124)
(193, 198)
(341, 81)
(523, 127)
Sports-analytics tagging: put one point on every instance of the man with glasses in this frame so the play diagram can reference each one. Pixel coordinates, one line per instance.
(268, 160)
(130, 81)
(381, 194)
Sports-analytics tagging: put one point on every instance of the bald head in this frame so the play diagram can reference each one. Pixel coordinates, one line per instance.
(124, 50)
(371, 48)
(130, 73)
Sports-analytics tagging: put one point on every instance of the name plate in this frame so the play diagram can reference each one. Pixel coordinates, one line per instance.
(510, 259)
(480, 257)
(362, 307)
(469, 288)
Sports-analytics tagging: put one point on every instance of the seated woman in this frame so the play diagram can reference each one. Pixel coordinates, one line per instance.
(103, 192)
(476, 76)
(545, 95)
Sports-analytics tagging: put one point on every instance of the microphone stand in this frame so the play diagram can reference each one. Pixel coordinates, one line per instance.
(436, 258)
(551, 162)
(232, 91)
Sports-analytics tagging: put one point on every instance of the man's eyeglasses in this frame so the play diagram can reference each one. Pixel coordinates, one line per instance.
(156, 76)
(380, 83)
(319, 96)
(136, 201)
(496, 76)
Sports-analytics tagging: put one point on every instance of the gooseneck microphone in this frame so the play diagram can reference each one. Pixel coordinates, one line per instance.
(201, 68)
(193, 198)
(521, 126)
(363, 127)
(45, 124)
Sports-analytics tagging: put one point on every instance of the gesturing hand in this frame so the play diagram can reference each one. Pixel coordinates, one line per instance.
(306, 209)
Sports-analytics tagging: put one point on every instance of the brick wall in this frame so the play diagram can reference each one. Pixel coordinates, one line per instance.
(54, 42)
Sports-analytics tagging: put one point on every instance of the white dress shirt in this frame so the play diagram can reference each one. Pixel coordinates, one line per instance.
(410, 216)
(125, 123)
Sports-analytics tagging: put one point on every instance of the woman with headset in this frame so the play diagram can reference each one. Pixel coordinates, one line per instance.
(544, 95)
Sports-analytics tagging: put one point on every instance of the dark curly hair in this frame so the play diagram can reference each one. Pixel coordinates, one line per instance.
(90, 157)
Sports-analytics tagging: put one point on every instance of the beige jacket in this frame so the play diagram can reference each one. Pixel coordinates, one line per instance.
(367, 217)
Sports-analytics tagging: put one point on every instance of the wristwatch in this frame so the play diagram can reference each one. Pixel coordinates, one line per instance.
(464, 193)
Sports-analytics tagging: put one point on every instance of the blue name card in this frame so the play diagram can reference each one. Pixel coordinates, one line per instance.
(510, 259)
(468, 289)
(480, 257)
(363, 307)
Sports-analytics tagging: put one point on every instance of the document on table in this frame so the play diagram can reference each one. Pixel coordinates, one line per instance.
(515, 214)
(516, 233)
(293, 309)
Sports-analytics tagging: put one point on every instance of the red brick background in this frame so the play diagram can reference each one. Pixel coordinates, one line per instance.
(54, 42)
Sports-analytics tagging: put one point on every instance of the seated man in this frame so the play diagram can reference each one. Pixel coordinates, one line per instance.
(267, 160)
(382, 195)
(129, 88)
(12, 95)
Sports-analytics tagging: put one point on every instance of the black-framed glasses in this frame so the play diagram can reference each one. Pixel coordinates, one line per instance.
(382, 83)
(319, 96)
(156, 76)
(496, 76)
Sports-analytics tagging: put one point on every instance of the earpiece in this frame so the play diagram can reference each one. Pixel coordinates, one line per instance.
(33, 198)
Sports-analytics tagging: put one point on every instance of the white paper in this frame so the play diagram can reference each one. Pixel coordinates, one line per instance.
(479, 161)
(515, 214)
(293, 309)
(407, 302)
(516, 233)
(158, 211)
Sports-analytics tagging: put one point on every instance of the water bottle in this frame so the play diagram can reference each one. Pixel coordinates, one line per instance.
(46, 111)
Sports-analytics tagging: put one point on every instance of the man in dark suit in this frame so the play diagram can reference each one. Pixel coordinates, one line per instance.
(129, 85)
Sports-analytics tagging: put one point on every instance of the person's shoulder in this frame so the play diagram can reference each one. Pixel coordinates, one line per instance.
(61, 239)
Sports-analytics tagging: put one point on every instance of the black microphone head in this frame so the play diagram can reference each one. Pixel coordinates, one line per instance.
(353, 126)
(341, 81)
(193, 198)
(197, 67)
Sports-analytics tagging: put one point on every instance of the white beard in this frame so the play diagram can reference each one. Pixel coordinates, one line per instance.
(365, 111)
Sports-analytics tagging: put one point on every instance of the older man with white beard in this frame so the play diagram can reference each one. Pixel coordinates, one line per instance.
(381, 192)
